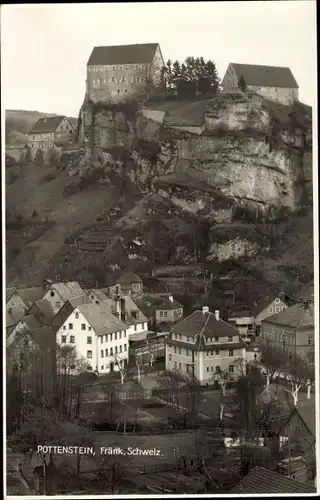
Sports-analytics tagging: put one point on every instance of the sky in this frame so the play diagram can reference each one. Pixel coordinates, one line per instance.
(45, 47)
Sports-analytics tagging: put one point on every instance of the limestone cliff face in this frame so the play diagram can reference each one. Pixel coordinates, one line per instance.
(233, 157)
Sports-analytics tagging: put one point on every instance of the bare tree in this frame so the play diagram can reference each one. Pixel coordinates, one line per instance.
(243, 366)
(222, 377)
(272, 360)
(301, 374)
(222, 407)
(138, 365)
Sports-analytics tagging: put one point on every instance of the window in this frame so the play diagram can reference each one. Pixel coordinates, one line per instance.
(216, 339)
(231, 352)
(52, 293)
(118, 91)
(101, 353)
(101, 339)
(77, 315)
(70, 326)
(58, 305)
(310, 339)
(126, 91)
(120, 335)
(208, 368)
(230, 339)
(120, 348)
(125, 347)
(175, 349)
(277, 310)
(83, 326)
(277, 301)
(102, 367)
(270, 310)
(116, 350)
(72, 339)
(161, 314)
(115, 336)
(89, 368)
(72, 367)
(89, 340)
(113, 80)
(106, 352)
(106, 338)
(170, 357)
(217, 369)
(111, 351)
(135, 328)
(89, 328)
(63, 339)
(217, 352)
(64, 327)
(166, 313)
(124, 334)
(89, 354)
(179, 366)
(231, 369)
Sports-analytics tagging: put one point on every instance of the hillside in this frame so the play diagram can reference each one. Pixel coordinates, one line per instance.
(241, 208)
(19, 122)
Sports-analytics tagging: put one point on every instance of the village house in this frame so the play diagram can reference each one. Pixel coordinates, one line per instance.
(58, 293)
(243, 322)
(26, 324)
(115, 73)
(50, 131)
(268, 308)
(96, 295)
(160, 308)
(272, 82)
(291, 329)
(297, 437)
(97, 335)
(129, 313)
(203, 345)
(15, 301)
(147, 346)
(129, 283)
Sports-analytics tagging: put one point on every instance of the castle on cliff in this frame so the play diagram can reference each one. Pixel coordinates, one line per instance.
(116, 72)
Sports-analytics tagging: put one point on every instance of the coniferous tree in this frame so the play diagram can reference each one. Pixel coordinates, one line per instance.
(242, 84)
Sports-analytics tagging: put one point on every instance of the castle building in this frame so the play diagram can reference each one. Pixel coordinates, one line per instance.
(272, 82)
(116, 72)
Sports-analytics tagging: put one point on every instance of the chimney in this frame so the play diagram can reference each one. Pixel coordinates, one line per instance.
(205, 310)
(216, 313)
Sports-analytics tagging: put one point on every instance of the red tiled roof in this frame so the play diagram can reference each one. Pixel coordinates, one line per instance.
(123, 54)
(265, 76)
(265, 481)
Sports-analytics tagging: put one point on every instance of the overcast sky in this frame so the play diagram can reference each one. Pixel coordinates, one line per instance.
(45, 48)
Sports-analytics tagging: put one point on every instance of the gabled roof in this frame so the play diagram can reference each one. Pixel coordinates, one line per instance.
(297, 316)
(130, 306)
(264, 304)
(68, 290)
(79, 300)
(101, 319)
(9, 293)
(99, 293)
(205, 323)
(43, 310)
(46, 125)
(123, 54)
(153, 302)
(265, 76)
(14, 316)
(265, 481)
(128, 279)
(31, 295)
(31, 321)
(307, 412)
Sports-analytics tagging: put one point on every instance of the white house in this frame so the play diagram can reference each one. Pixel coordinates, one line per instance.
(127, 311)
(203, 345)
(268, 308)
(97, 335)
(243, 322)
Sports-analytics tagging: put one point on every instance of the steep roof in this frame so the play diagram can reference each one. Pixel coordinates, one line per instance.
(123, 54)
(130, 306)
(46, 125)
(79, 300)
(99, 293)
(31, 321)
(205, 323)
(149, 303)
(307, 412)
(297, 316)
(31, 295)
(265, 76)
(14, 316)
(68, 290)
(264, 304)
(45, 309)
(9, 293)
(101, 319)
(265, 481)
(128, 278)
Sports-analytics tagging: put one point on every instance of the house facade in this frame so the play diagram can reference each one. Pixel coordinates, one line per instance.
(115, 73)
(14, 300)
(129, 283)
(99, 338)
(243, 322)
(50, 131)
(272, 82)
(291, 329)
(203, 345)
(160, 308)
(58, 293)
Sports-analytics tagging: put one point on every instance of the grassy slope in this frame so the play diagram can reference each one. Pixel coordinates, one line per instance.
(31, 192)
